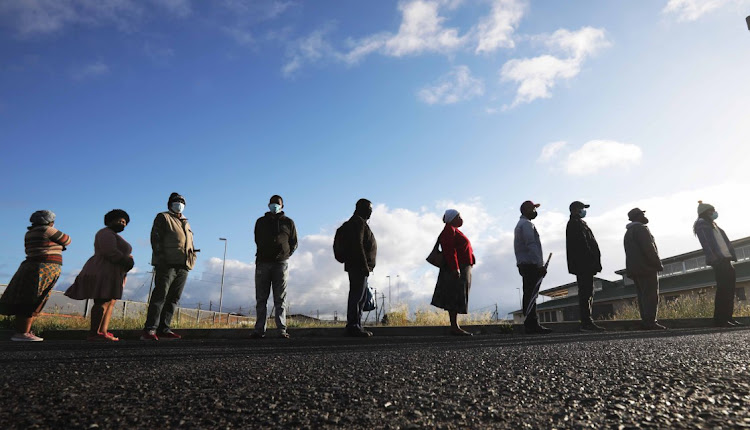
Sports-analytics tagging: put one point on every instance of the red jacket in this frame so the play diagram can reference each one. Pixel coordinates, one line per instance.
(456, 248)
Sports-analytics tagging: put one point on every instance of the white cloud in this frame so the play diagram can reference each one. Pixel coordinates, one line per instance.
(458, 85)
(38, 17)
(691, 10)
(422, 30)
(496, 30)
(550, 150)
(91, 70)
(538, 75)
(600, 154)
(310, 49)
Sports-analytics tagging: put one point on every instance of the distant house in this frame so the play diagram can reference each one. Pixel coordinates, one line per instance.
(683, 274)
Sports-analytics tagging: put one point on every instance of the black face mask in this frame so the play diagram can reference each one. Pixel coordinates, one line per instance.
(532, 215)
(117, 228)
(644, 220)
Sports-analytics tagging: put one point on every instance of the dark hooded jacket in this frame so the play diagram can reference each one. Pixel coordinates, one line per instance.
(641, 254)
(361, 247)
(276, 238)
(584, 257)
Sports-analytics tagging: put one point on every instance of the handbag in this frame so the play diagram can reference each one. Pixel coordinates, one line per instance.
(436, 256)
(370, 304)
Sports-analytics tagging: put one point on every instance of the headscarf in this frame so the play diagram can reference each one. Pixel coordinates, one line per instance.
(450, 215)
(42, 217)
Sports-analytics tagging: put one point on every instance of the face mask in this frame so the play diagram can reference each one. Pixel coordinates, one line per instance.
(177, 207)
(274, 208)
(714, 216)
(532, 215)
(117, 228)
(583, 213)
(644, 220)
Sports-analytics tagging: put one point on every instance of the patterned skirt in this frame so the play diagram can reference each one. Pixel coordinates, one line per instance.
(452, 294)
(29, 289)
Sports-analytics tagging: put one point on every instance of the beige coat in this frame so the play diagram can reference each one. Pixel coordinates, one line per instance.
(172, 241)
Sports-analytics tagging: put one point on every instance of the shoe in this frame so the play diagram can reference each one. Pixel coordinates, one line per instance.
(256, 335)
(169, 335)
(537, 330)
(25, 337)
(723, 324)
(284, 335)
(358, 333)
(149, 335)
(101, 337)
(735, 323)
(591, 327)
(653, 326)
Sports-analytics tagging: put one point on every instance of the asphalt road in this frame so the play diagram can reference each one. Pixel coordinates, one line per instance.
(690, 378)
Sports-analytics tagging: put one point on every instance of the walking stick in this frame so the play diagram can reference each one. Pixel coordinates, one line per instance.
(536, 289)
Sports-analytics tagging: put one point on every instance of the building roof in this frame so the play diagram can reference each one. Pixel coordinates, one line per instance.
(562, 290)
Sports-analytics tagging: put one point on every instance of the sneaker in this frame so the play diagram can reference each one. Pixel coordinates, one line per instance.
(169, 335)
(718, 323)
(735, 323)
(284, 335)
(357, 333)
(591, 327)
(256, 335)
(539, 329)
(149, 335)
(25, 337)
(654, 326)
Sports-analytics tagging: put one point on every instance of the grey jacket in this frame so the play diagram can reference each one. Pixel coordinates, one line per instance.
(526, 243)
(709, 234)
(641, 254)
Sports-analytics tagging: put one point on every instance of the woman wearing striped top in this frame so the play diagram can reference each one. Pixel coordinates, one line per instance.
(30, 287)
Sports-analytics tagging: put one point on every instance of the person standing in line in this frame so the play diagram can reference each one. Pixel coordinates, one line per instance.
(360, 252)
(276, 240)
(642, 264)
(173, 257)
(584, 261)
(530, 262)
(454, 280)
(719, 255)
(104, 275)
(30, 288)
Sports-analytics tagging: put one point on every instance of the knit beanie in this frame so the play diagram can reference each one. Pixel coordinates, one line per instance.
(42, 217)
(450, 215)
(702, 207)
(175, 197)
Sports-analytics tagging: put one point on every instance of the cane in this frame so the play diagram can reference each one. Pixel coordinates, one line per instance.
(536, 289)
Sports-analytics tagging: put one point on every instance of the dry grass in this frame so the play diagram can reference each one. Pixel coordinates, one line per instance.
(687, 306)
(430, 316)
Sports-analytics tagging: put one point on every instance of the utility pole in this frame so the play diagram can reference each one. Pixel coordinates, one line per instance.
(223, 265)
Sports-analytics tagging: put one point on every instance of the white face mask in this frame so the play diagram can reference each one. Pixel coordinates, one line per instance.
(177, 207)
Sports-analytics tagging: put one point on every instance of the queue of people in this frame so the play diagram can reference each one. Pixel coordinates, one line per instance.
(104, 275)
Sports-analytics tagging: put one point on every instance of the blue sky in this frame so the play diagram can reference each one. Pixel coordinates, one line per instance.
(416, 105)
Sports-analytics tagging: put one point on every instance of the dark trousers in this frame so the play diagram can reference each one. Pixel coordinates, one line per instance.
(725, 285)
(169, 281)
(531, 275)
(647, 287)
(357, 296)
(585, 297)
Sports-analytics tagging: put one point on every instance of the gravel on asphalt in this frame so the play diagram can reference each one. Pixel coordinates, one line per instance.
(689, 378)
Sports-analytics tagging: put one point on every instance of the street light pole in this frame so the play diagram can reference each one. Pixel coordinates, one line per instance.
(398, 289)
(389, 293)
(223, 265)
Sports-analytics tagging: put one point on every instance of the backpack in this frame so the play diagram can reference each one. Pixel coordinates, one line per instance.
(339, 243)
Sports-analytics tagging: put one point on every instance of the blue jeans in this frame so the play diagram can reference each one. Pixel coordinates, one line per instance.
(270, 276)
(169, 281)
(357, 297)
